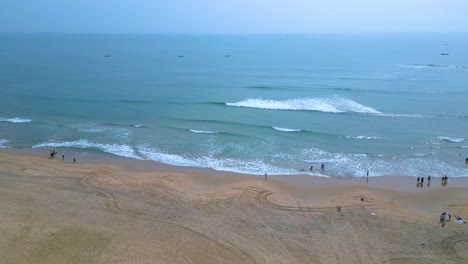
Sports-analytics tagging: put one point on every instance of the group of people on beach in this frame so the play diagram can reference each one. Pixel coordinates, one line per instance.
(54, 153)
(444, 180)
(421, 181)
(443, 219)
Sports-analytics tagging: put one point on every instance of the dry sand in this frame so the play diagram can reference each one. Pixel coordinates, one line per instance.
(56, 212)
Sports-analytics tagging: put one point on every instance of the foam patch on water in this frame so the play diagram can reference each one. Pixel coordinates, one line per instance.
(15, 120)
(281, 129)
(116, 149)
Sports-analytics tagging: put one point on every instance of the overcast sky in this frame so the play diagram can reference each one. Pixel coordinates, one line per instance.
(233, 16)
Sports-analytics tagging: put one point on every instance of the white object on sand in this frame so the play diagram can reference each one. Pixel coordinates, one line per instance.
(372, 213)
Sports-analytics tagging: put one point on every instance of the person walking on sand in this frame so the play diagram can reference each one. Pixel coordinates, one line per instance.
(419, 179)
(422, 180)
(429, 178)
(74, 160)
(63, 157)
(265, 176)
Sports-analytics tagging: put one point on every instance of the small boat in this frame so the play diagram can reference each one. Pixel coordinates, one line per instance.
(227, 56)
(107, 56)
(444, 54)
(181, 56)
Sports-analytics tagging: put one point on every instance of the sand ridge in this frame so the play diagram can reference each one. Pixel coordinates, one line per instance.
(58, 212)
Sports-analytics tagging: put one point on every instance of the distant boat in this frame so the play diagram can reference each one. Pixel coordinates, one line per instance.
(227, 56)
(181, 56)
(107, 56)
(444, 54)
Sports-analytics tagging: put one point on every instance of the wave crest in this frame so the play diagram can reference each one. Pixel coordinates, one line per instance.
(202, 131)
(286, 129)
(15, 120)
(452, 140)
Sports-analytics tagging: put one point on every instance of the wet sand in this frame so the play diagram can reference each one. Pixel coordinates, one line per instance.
(129, 212)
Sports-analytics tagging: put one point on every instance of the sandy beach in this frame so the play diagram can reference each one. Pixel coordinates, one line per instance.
(58, 212)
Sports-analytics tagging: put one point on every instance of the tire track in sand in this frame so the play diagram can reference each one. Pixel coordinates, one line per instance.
(449, 243)
(114, 207)
(262, 198)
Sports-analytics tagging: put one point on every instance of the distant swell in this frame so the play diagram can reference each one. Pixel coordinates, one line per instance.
(327, 105)
(15, 120)
(286, 129)
(116, 149)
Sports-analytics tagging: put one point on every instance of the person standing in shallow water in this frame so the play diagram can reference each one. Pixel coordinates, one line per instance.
(322, 167)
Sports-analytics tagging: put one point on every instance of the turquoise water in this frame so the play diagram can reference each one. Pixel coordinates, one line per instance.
(276, 104)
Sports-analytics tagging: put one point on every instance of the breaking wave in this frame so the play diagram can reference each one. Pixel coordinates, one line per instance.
(335, 105)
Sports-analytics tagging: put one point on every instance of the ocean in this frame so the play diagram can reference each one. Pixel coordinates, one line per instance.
(389, 104)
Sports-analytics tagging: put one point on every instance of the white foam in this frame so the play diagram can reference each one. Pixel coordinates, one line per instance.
(15, 120)
(3, 142)
(327, 105)
(452, 139)
(116, 149)
(138, 126)
(364, 137)
(202, 131)
(286, 129)
(256, 167)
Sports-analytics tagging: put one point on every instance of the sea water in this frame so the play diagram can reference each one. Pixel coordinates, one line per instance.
(389, 104)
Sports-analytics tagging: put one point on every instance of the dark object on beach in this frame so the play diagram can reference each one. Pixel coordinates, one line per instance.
(422, 180)
(338, 209)
(429, 178)
(74, 160)
(419, 179)
(63, 157)
(444, 54)
(362, 199)
(266, 176)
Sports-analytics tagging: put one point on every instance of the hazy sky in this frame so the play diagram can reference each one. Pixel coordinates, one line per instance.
(232, 16)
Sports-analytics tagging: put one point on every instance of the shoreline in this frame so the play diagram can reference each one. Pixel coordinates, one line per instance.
(95, 157)
(395, 182)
